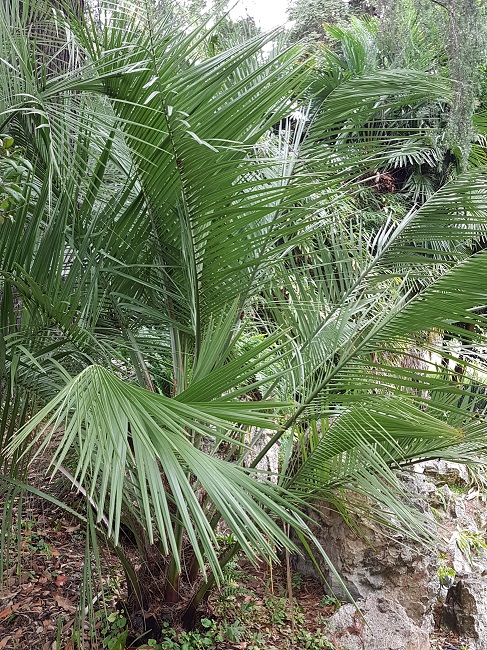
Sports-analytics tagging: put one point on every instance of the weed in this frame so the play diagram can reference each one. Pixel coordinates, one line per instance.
(459, 489)
(438, 515)
(446, 574)
(114, 630)
(196, 640)
(308, 641)
(37, 544)
(470, 543)
(278, 609)
(329, 600)
(296, 581)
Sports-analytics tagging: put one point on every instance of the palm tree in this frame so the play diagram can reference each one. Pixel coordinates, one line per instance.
(183, 291)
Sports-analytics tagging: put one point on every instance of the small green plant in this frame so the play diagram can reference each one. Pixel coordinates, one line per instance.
(459, 489)
(208, 637)
(437, 514)
(308, 641)
(330, 601)
(279, 611)
(234, 598)
(296, 581)
(231, 587)
(233, 631)
(446, 574)
(277, 607)
(256, 642)
(39, 545)
(32, 541)
(470, 543)
(114, 630)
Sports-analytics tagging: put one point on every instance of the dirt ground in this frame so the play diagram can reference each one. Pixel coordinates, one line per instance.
(40, 595)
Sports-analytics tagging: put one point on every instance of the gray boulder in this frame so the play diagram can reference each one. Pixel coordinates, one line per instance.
(446, 471)
(378, 561)
(465, 611)
(387, 627)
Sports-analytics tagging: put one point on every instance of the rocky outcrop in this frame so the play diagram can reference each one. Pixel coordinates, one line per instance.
(378, 562)
(463, 607)
(270, 462)
(445, 471)
(398, 584)
(385, 626)
(465, 611)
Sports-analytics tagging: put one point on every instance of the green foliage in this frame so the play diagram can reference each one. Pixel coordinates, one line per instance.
(470, 543)
(234, 599)
(183, 289)
(330, 601)
(114, 631)
(310, 16)
(467, 46)
(207, 637)
(278, 608)
(310, 641)
(446, 574)
(445, 38)
(296, 581)
(13, 172)
(212, 633)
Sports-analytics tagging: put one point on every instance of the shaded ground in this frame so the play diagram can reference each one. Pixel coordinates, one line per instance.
(39, 596)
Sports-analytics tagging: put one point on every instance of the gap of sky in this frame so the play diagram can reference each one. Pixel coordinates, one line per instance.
(268, 14)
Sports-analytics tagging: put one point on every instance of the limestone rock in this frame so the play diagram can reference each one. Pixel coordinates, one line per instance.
(457, 509)
(270, 462)
(440, 497)
(379, 562)
(466, 611)
(467, 564)
(448, 472)
(388, 627)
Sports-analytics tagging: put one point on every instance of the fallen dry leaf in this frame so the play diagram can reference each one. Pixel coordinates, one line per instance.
(9, 610)
(4, 641)
(64, 603)
(60, 580)
(71, 529)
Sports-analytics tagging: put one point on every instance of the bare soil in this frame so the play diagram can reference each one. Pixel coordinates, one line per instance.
(40, 592)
